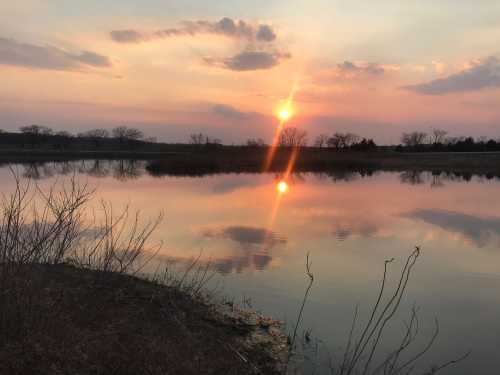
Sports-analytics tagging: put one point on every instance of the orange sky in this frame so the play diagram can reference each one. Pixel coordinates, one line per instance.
(223, 67)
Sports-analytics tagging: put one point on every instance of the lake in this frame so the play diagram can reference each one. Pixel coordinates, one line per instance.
(257, 239)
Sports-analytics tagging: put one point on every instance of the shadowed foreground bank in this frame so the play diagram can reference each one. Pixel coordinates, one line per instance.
(93, 322)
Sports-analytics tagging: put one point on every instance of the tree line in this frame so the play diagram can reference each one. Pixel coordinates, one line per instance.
(123, 137)
(35, 136)
(437, 140)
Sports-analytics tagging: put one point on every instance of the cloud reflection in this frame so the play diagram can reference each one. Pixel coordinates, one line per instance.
(478, 230)
(247, 236)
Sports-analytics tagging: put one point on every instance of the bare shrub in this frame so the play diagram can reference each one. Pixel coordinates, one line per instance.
(360, 353)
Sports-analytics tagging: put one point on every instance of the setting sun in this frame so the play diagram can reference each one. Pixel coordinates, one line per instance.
(282, 187)
(285, 114)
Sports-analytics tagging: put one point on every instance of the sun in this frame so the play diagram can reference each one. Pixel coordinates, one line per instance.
(282, 187)
(285, 113)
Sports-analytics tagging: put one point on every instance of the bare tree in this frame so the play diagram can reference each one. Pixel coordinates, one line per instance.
(321, 141)
(438, 136)
(123, 134)
(95, 135)
(342, 140)
(414, 139)
(197, 139)
(335, 141)
(292, 137)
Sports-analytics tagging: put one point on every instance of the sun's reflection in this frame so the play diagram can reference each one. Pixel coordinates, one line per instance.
(282, 187)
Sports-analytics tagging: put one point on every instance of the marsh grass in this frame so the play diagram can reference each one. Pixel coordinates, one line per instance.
(363, 353)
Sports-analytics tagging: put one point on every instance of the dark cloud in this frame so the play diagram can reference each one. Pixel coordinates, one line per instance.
(228, 27)
(265, 33)
(250, 60)
(477, 229)
(47, 57)
(483, 74)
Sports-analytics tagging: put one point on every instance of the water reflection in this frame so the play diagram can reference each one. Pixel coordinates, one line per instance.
(479, 230)
(133, 169)
(253, 247)
(350, 221)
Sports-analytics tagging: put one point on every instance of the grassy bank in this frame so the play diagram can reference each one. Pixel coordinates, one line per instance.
(243, 159)
(79, 321)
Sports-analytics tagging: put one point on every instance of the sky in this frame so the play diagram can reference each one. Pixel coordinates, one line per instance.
(224, 67)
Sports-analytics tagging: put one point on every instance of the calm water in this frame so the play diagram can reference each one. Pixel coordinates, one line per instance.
(257, 238)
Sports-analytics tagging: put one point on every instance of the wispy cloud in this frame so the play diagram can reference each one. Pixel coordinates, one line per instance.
(349, 68)
(249, 60)
(32, 56)
(227, 27)
(482, 74)
(351, 71)
(230, 112)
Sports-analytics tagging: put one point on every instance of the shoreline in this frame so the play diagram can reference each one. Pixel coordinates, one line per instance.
(99, 320)
(235, 160)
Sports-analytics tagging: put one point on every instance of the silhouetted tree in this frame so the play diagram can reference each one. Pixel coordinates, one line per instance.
(438, 136)
(96, 136)
(256, 142)
(342, 140)
(127, 135)
(321, 141)
(292, 137)
(414, 139)
(197, 139)
(124, 134)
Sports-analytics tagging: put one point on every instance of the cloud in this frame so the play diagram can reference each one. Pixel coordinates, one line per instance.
(482, 74)
(247, 236)
(47, 57)
(477, 229)
(229, 112)
(249, 61)
(349, 70)
(348, 67)
(128, 36)
(232, 113)
(228, 27)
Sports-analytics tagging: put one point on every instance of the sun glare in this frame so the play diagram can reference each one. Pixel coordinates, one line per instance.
(284, 114)
(282, 187)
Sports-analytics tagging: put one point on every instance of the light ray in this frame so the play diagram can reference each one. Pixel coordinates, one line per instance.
(283, 119)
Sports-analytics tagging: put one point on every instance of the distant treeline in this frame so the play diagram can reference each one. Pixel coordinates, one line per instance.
(439, 141)
(127, 138)
(42, 137)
